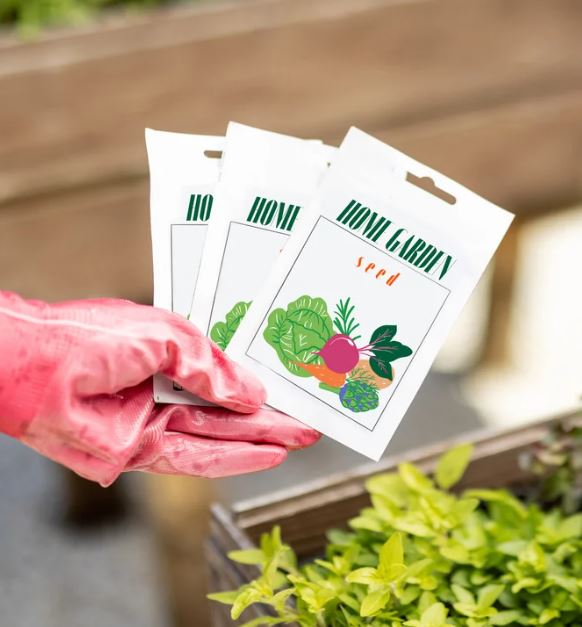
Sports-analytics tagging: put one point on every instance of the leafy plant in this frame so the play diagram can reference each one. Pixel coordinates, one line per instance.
(421, 556)
(557, 460)
(299, 332)
(222, 332)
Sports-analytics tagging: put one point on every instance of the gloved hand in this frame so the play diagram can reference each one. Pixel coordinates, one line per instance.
(75, 384)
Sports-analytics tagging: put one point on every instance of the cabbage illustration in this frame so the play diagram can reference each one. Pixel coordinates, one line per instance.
(222, 332)
(298, 332)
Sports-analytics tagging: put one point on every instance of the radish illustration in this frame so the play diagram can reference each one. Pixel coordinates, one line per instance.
(341, 354)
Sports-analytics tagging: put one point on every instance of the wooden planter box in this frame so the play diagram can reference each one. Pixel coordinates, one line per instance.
(307, 512)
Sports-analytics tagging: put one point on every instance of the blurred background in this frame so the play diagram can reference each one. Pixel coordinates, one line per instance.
(487, 91)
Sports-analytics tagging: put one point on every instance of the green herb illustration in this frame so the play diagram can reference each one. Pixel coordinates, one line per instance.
(304, 339)
(222, 332)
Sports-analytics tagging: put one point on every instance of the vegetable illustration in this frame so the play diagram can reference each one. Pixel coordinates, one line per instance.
(384, 350)
(364, 369)
(344, 322)
(359, 396)
(304, 340)
(222, 332)
(340, 353)
(322, 373)
(299, 332)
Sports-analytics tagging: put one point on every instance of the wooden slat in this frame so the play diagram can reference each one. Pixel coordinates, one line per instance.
(73, 110)
(78, 244)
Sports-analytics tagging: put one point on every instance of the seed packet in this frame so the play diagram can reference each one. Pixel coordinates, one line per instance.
(362, 297)
(184, 170)
(266, 180)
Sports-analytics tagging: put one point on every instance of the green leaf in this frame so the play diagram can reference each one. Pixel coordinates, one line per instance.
(385, 350)
(525, 583)
(570, 527)
(455, 552)
(499, 496)
(434, 616)
(513, 547)
(488, 595)
(463, 595)
(383, 335)
(248, 556)
(547, 615)
(365, 522)
(298, 333)
(452, 465)
(247, 597)
(366, 576)
(413, 526)
(374, 602)
(389, 486)
(414, 478)
(534, 555)
(392, 553)
(222, 332)
(226, 598)
(264, 620)
(344, 321)
(506, 617)
(383, 368)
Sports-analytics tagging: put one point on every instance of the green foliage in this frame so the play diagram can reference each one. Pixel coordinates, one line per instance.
(385, 350)
(421, 556)
(557, 459)
(296, 334)
(31, 15)
(222, 332)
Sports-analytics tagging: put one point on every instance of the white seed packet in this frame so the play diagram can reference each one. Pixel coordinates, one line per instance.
(184, 171)
(350, 319)
(266, 180)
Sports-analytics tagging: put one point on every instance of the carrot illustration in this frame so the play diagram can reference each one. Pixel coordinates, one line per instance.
(322, 373)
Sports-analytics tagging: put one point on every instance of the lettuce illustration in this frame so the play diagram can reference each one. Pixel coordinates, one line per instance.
(222, 332)
(296, 334)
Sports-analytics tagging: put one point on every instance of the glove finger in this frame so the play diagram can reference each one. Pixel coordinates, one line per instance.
(264, 425)
(124, 343)
(184, 454)
(200, 367)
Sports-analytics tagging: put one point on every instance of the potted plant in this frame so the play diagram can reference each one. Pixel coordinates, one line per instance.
(422, 554)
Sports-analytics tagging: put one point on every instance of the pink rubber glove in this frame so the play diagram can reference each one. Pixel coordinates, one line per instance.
(75, 385)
